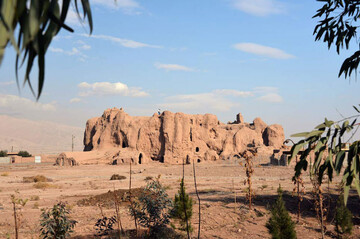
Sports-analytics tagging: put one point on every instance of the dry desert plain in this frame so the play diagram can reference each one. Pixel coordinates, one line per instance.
(221, 217)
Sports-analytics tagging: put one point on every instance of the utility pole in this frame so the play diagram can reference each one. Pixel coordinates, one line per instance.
(72, 143)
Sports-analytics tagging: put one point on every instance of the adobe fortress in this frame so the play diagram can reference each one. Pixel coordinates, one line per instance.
(174, 137)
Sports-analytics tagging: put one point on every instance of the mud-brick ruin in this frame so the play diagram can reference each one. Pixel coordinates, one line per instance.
(173, 137)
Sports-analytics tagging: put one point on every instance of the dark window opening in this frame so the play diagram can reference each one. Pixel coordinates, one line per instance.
(124, 144)
(162, 159)
(198, 160)
(140, 158)
(200, 124)
(197, 149)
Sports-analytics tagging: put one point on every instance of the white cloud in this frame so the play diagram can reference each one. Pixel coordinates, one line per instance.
(117, 4)
(269, 94)
(6, 83)
(16, 103)
(217, 100)
(123, 42)
(262, 50)
(173, 67)
(58, 50)
(108, 88)
(235, 93)
(75, 100)
(73, 52)
(259, 7)
(83, 45)
(271, 97)
(266, 89)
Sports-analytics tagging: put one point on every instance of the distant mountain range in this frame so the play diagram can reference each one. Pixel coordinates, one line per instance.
(38, 136)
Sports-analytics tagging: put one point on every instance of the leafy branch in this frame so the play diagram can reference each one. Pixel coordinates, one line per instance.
(37, 23)
(327, 146)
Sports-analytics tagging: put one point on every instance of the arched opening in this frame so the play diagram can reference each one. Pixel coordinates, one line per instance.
(197, 149)
(140, 158)
(199, 160)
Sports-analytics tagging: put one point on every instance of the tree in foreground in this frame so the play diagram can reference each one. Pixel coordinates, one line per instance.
(280, 225)
(331, 142)
(36, 24)
(343, 219)
(152, 208)
(183, 202)
(55, 222)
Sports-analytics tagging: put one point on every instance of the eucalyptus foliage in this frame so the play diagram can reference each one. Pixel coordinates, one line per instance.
(326, 149)
(55, 222)
(152, 209)
(338, 27)
(36, 23)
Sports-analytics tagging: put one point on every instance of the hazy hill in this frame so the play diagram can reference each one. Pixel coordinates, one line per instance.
(38, 136)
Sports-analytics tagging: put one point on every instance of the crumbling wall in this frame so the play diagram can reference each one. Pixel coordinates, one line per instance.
(174, 137)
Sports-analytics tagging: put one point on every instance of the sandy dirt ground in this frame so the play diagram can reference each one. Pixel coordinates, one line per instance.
(218, 183)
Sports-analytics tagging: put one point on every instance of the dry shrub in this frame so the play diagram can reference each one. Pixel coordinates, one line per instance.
(34, 198)
(5, 174)
(117, 177)
(36, 179)
(43, 185)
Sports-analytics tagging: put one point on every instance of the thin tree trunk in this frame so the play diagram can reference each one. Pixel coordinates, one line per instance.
(321, 213)
(16, 221)
(183, 197)
(197, 194)
(131, 204)
(118, 219)
(298, 193)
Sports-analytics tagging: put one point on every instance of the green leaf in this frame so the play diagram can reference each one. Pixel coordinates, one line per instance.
(328, 123)
(87, 12)
(356, 109)
(295, 150)
(34, 18)
(320, 126)
(339, 161)
(303, 134)
(315, 133)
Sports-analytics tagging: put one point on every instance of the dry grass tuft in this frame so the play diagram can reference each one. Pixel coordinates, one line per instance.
(34, 198)
(36, 179)
(5, 174)
(43, 185)
(117, 177)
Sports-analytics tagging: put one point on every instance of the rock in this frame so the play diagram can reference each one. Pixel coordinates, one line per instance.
(273, 135)
(239, 118)
(175, 137)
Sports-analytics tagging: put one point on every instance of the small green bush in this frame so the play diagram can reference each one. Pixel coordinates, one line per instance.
(152, 209)
(183, 202)
(55, 223)
(343, 218)
(280, 225)
(24, 154)
(117, 177)
(3, 153)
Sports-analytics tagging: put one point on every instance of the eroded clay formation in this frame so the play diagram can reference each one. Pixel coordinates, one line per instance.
(174, 137)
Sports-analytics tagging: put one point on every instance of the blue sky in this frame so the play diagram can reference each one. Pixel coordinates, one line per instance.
(256, 57)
